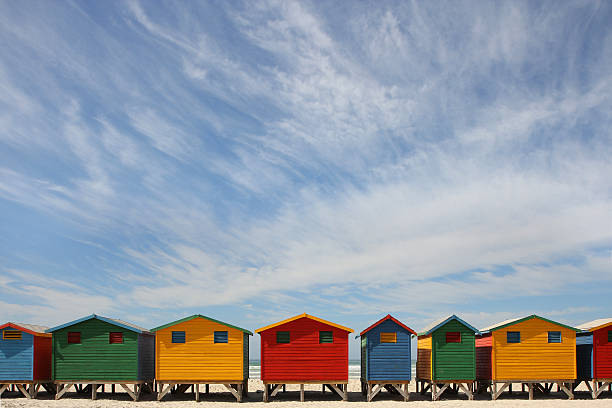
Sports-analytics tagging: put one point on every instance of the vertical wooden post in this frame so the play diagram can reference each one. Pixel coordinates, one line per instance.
(302, 392)
(197, 392)
(494, 391)
(510, 389)
(530, 386)
(94, 389)
(239, 392)
(265, 396)
(323, 388)
(207, 388)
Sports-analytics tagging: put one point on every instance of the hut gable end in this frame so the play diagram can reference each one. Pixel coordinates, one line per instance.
(388, 351)
(304, 357)
(95, 357)
(534, 357)
(199, 357)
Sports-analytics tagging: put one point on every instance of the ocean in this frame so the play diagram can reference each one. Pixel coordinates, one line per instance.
(354, 369)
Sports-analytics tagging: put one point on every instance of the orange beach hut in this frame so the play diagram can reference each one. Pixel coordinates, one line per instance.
(200, 350)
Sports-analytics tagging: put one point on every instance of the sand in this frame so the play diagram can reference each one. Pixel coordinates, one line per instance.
(314, 398)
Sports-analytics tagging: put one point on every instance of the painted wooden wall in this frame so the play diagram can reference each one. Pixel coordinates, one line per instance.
(584, 356)
(388, 361)
(42, 357)
(424, 355)
(95, 358)
(453, 361)
(146, 356)
(16, 357)
(602, 356)
(534, 357)
(199, 358)
(304, 358)
(484, 347)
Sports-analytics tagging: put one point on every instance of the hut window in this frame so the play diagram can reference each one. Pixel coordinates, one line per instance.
(178, 336)
(453, 337)
(221, 337)
(282, 337)
(74, 337)
(554, 337)
(11, 335)
(513, 337)
(115, 337)
(388, 337)
(326, 337)
(609, 336)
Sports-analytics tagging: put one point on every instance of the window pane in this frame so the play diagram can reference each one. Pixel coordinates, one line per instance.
(74, 337)
(326, 337)
(554, 337)
(453, 337)
(388, 337)
(513, 337)
(178, 336)
(282, 337)
(221, 337)
(609, 336)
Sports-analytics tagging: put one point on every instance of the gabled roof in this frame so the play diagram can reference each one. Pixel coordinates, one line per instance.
(441, 322)
(195, 316)
(595, 324)
(511, 322)
(307, 316)
(116, 322)
(388, 317)
(28, 328)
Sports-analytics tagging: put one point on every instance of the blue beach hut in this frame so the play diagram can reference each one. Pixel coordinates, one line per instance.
(386, 357)
(25, 358)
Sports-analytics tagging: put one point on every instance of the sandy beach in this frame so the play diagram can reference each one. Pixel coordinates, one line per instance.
(314, 398)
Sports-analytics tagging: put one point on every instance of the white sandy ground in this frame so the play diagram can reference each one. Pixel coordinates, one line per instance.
(313, 396)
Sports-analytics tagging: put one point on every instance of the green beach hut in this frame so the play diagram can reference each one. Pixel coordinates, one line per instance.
(446, 357)
(94, 351)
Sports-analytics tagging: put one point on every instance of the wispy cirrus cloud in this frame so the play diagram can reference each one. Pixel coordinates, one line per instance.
(277, 155)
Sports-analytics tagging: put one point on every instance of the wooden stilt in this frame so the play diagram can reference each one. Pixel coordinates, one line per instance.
(302, 392)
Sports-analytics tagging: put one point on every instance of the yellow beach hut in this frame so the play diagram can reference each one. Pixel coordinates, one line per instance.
(532, 351)
(201, 350)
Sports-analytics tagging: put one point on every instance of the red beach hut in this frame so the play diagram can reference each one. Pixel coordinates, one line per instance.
(304, 350)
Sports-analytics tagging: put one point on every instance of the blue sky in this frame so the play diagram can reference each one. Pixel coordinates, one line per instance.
(255, 160)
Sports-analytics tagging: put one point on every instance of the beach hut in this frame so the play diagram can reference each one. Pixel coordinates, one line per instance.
(304, 350)
(200, 350)
(386, 357)
(532, 351)
(25, 358)
(594, 355)
(446, 357)
(95, 350)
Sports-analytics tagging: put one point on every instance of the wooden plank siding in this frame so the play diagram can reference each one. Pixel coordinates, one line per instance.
(16, 357)
(245, 356)
(602, 356)
(423, 368)
(534, 358)
(146, 356)
(200, 358)
(453, 361)
(388, 361)
(484, 349)
(42, 358)
(304, 358)
(94, 358)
